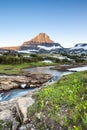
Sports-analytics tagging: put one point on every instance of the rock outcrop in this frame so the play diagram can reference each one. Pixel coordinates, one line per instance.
(14, 112)
(8, 82)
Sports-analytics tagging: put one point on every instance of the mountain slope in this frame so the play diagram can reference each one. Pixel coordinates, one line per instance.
(40, 44)
(79, 48)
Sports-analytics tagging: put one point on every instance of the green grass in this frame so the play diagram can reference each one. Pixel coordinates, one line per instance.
(5, 125)
(17, 68)
(62, 104)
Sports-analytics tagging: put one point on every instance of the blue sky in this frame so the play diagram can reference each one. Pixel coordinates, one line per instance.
(65, 21)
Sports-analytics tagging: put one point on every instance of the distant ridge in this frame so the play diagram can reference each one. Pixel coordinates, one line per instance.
(41, 38)
(11, 48)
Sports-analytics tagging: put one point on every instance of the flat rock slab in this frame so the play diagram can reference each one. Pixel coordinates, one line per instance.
(8, 82)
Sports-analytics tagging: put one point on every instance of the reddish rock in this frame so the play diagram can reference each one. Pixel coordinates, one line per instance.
(41, 38)
(11, 48)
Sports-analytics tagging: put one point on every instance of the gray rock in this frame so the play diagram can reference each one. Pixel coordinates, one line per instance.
(23, 103)
(15, 125)
(6, 115)
(38, 115)
(22, 128)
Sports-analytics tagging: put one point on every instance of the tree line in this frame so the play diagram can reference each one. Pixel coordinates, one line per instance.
(10, 59)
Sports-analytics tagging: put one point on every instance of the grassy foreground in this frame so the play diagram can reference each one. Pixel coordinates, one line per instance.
(61, 106)
(17, 68)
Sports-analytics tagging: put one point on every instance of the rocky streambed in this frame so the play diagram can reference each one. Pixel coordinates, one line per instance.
(17, 85)
(13, 113)
(29, 80)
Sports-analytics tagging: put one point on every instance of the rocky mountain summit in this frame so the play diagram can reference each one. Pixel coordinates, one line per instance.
(40, 44)
(41, 38)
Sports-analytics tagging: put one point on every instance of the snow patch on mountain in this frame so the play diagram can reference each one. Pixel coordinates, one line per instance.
(49, 48)
(28, 51)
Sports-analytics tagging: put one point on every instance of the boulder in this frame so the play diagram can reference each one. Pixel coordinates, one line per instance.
(22, 105)
(6, 115)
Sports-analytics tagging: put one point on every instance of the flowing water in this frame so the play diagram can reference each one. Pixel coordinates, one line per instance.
(20, 92)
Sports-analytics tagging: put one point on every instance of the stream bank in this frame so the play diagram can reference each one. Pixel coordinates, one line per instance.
(15, 110)
(16, 85)
(12, 86)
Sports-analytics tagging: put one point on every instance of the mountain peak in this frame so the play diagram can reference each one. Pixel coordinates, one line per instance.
(40, 38)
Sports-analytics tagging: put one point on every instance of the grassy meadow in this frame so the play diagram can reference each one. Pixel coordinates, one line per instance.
(17, 68)
(62, 105)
